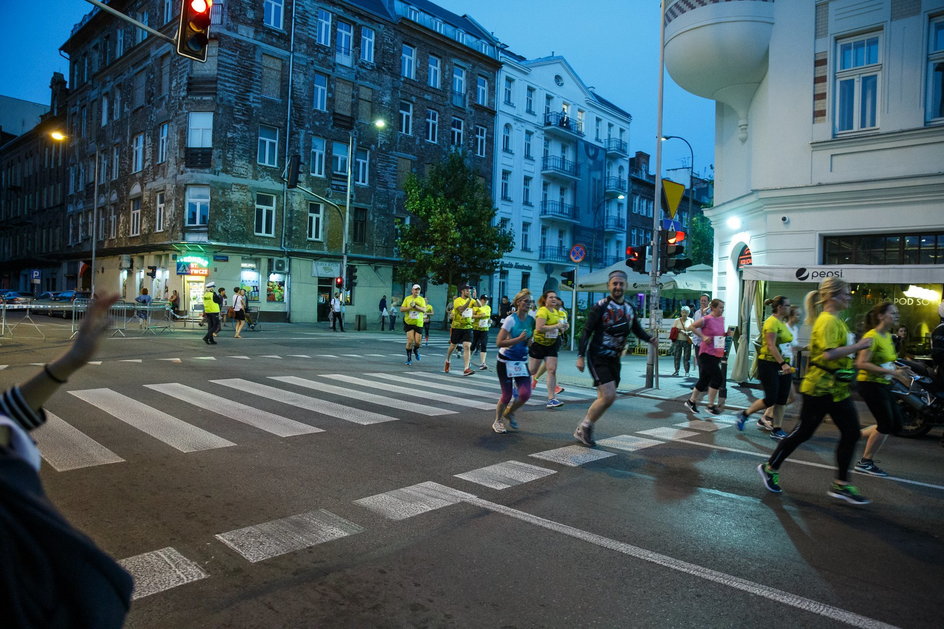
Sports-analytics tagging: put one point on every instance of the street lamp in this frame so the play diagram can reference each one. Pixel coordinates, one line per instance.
(598, 226)
(59, 136)
(691, 169)
(351, 141)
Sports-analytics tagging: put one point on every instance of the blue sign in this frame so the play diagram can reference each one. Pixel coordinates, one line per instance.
(183, 268)
(578, 253)
(671, 225)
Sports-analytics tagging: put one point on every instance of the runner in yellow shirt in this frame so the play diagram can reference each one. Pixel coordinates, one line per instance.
(414, 310)
(482, 320)
(461, 334)
(549, 325)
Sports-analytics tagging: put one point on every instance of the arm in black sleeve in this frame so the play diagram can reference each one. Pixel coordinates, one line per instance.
(638, 329)
(589, 327)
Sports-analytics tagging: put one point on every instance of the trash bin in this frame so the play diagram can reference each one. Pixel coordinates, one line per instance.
(360, 322)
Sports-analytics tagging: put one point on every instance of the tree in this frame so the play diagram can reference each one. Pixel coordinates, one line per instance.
(452, 236)
(701, 237)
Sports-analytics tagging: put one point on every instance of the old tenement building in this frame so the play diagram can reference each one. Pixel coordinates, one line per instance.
(190, 157)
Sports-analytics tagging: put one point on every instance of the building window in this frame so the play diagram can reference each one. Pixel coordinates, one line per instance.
(598, 129)
(115, 161)
(506, 185)
(408, 61)
(936, 69)
(432, 126)
(339, 158)
(509, 91)
(198, 205)
(116, 104)
(434, 75)
(362, 167)
(857, 83)
(344, 43)
(113, 222)
(323, 34)
(525, 237)
(137, 153)
(200, 129)
(159, 212)
(885, 249)
(481, 90)
(315, 221)
(317, 168)
(134, 229)
(481, 135)
(104, 111)
(138, 83)
(458, 80)
(528, 141)
(321, 92)
(265, 214)
(267, 153)
(272, 13)
(506, 138)
(458, 130)
(167, 11)
(529, 100)
(526, 191)
(271, 76)
(360, 225)
(406, 118)
(162, 132)
(365, 103)
(367, 44)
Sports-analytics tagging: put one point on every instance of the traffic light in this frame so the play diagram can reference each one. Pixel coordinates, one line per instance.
(294, 170)
(636, 259)
(567, 278)
(152, 271)
(339, 282)
(671, 251)
(193, 30)
(351, 276)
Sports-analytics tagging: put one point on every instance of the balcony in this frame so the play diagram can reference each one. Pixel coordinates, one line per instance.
(614, 223)
(558, 211)
(559, 167)
(459, 99)
(615, 186)
(563, 126)
(616, 148)
(554, 254)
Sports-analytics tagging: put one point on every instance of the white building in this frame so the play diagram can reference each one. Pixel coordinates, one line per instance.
(829, 146)
(561, 173)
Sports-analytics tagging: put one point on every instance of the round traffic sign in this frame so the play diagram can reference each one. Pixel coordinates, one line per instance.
(578, 253)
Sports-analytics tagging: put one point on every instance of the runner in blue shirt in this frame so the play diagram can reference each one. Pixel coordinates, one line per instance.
(512, 368)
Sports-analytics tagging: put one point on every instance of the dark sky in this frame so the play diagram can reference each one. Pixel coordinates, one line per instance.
(612, 44)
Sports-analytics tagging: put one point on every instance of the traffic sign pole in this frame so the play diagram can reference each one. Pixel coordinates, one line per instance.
(577, 254)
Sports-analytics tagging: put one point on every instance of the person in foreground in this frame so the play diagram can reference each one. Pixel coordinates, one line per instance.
(512, 367)
(52, 575)
(602, 343)
(825, 390)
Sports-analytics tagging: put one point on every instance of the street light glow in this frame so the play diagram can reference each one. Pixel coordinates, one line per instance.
(734, 222)
(58, 136)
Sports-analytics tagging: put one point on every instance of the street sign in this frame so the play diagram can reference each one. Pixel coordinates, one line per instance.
(35, 276)
(672, 194)
(578, 253)
(670, 225)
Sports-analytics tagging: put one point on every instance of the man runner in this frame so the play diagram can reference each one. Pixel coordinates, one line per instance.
(413, 309)
(462, 328)
(609, 322)
(482, 316)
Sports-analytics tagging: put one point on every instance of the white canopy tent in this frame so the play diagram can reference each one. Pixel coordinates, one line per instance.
(697, 279)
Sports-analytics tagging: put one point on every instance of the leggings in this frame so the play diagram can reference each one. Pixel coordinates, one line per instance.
(709, 373)
(523, 384)
(878, 398)
(812, 412)
(776, 383)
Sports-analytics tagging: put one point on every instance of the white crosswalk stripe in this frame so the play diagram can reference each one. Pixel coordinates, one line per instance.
(412, 391)
(505, 475)
(160, 570)
(156, 423)
(278, 537)
(572, 456)
(329, 409)
(269, 422)
(668, 433)
(407, 502)
(490, 384)
(628, 443)
(382, 400)
(66, 448)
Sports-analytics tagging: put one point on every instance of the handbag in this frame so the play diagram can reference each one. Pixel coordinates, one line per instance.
(673, 334)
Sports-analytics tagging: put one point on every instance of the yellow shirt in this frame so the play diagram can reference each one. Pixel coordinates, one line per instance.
(413, 317)
(210, 306)
(551, 317)
(782, 340)
(462, 313)
(883, 354)
(829, 332)
(482, 316)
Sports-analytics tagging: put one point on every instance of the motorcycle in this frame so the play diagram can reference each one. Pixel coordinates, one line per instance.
(921, 403)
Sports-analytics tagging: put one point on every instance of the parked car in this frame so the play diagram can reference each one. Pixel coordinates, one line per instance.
(14, 297)
(49, 298)
(67, 297)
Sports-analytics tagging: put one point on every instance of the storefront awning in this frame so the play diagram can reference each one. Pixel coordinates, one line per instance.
(856, 273)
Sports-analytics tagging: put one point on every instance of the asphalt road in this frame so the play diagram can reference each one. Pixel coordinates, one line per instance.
(300, 478)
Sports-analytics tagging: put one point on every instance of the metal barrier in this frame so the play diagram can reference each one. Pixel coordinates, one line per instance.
(26, 319)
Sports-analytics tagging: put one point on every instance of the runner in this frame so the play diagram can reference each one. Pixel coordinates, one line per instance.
(710, 331)
(482, 319)
(602, 343)
(512, 366)
(426, 319)
(793, 324)
(825, 389)
(462, 328)
(413, 309)
(549, 325)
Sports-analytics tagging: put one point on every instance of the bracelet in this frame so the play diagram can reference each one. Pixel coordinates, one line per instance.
(52, 376)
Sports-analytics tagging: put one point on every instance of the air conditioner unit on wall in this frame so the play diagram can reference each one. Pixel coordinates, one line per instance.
(279, 265)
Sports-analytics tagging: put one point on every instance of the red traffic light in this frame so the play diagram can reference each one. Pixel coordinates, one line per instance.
(339, 281)
(632, 254)
(676, 238)
(193, 30)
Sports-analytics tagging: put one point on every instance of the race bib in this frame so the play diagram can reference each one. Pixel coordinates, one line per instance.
(718, 342)
(850, 338)
(467, 313)
(517, 369)
(550, 334)
(785, 350)
(890, 366)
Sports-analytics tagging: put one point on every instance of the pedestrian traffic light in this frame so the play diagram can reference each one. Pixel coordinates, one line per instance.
(152, 271)
(294, 170)
(193, 29)
(339, 282)
(567, 278)
(671, 252)
(636, 259)
(351, 276)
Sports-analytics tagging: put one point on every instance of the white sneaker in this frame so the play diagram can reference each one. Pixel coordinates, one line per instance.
(499, 426)
(764, 424)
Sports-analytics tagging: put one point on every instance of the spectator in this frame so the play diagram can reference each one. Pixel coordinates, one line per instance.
(383, 312)
(144, 299)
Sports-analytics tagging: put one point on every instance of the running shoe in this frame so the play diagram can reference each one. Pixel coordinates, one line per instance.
(554, 403)
(408, 363)
(714, 410)
(764, 424)
(417, 355)
(741, 420)
(778, 434)
(691, 406)
(846, 492)
(770, 477)
(868, 466)
(446, 367)
(584, 434)
(512, 422)
(467, 372)
(483, 367)
(499, 426)
(534, 383)
(558, 390)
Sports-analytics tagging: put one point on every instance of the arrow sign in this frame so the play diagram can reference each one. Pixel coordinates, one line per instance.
(672, 194)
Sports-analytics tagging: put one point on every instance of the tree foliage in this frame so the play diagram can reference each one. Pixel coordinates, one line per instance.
(451, 236)
(701, 238)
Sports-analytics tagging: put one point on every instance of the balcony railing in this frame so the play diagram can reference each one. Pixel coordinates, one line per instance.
(615, 146)
(554, 254)
(557, 209)
(559, 165)
(560, 120)
(614, 223)
(616, 184)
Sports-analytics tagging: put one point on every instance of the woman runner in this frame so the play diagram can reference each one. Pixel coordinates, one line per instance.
(512, 366)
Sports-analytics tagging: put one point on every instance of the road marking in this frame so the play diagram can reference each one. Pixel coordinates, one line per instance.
(325, 356)
(173, 360)
(707, 574)
(381, 400)
(4, 366)
(505, 475)
(461, 393)
(491, 388)
(299, 356)
(702, 425)
(204, 357)
(401, 504)
(329, 409)
(131, 360)
(151, 421)
(270, 356)
(263, 420)
(278, 537)
(411, 391)
(67, 448)
(668, 433)
(160, 570)
(239, 357)
(574, 456)
(375, 355)
(628, 443)
(353, 355)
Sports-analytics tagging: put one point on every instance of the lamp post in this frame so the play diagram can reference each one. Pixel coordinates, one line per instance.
(599, 226)
(691, 169)
(59, 136)
(351, 141)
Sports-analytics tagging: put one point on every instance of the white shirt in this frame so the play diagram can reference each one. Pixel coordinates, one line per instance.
(335, 304)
